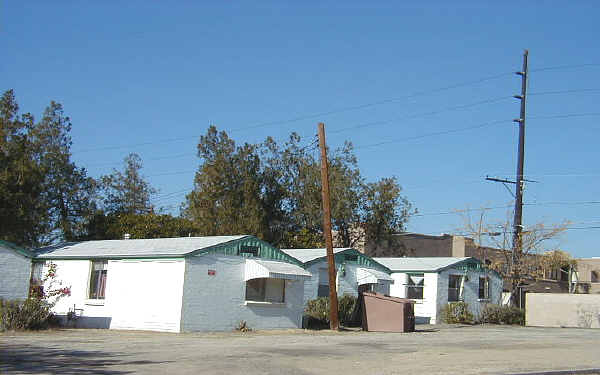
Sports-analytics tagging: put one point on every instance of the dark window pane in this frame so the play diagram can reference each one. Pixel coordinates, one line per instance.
(323, 291)
(255, 290)
(414, 292)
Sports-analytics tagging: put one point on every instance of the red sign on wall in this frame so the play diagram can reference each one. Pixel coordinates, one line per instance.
(212, 272)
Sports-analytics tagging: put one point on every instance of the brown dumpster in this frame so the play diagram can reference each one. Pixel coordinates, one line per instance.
(383, 313)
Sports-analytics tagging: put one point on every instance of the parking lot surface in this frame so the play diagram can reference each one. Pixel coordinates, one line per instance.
(431, 350)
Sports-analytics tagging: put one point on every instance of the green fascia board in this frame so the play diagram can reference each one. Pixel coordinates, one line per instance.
(471, 264)
(362, 260)
(265, 250)
(17, 249)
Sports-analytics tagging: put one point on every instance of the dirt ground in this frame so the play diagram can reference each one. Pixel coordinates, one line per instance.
(431, 350)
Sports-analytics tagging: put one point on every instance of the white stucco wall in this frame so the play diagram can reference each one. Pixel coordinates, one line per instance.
(435, 293)
(146, 295)
(346, 285)
(217, 302)
(139, 294)
(76, 275)
(15, 271)
(425, 309)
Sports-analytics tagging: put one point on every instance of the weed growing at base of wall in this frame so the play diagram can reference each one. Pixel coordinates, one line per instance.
(317, 311)
(496, 314)
(457, 312)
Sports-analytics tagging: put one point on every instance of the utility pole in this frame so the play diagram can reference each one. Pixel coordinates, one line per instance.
(517, 243)
(333, 302)
(518, 219)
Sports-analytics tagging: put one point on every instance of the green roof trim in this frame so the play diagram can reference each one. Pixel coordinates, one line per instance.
(249, 247)
(17, 249)
(361, 260)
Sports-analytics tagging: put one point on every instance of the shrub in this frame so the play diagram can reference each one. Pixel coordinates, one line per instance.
(32, 313)
(243, 326)
(497, 314)
(457, 312)
(317, 311)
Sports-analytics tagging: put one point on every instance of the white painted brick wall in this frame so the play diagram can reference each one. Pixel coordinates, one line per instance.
(217, 303)
(345, 284)
(471, 290)
(15, 271)
(435, 293)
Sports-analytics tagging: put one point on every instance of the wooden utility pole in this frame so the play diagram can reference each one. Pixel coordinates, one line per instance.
(518, 219)
(333, 302)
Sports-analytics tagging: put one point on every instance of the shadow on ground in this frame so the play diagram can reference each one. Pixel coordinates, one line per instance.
(31, 359)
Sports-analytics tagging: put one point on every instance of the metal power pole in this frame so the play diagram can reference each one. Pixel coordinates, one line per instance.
(518, 219)
(333, 302)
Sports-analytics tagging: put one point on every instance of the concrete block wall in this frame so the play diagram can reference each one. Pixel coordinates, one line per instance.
(15, 272)
(562, 310)
(216, 302)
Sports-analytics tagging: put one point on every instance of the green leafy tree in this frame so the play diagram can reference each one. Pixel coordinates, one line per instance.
(44, 195)
(127, 191)
(274, 192)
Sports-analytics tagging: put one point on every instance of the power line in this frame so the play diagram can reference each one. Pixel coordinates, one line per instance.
(458, 212)
(564, 67)
(434, 134)
(314, 115)
(423, 114)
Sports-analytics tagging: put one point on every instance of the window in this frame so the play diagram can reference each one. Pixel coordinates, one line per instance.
(36, 287)
(454, 288)
(98, 279)
(595, 277)
(414, 286)
(484, 288)
(247, 250)
(323, 290)
(37, 273)
(265, 290)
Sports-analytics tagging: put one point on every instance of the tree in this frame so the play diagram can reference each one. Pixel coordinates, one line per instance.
(22, 217)
(69, 194)
(44, 195)
(274, 192)
(386, 215)
(127, 191)
(494, 243)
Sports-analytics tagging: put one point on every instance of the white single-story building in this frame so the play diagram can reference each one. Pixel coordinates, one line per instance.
(15, 271)
(178, 284)
(434, 281)
(354, 272)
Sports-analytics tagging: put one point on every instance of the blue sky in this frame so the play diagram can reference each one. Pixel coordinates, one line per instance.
(149, 77)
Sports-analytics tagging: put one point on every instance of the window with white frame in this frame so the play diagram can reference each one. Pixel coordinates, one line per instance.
(454, 288)
(484, 287)
(265, 290)
(414, 285)
(98, 279)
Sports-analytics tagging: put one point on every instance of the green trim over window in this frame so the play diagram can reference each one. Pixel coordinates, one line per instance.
(16, 249)
(242, 247)
(355, 257)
